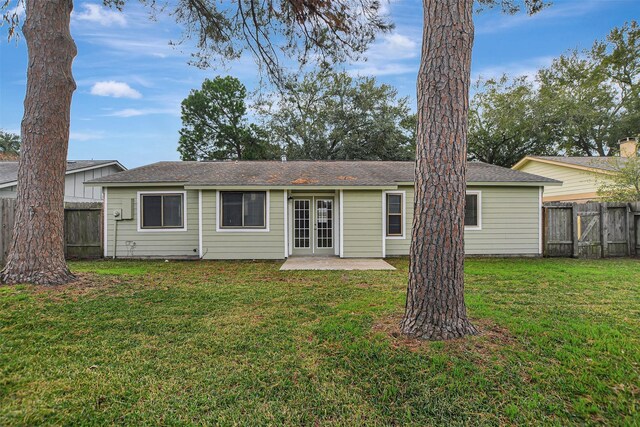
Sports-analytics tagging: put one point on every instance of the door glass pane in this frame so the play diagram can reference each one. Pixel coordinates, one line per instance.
(254, 209)
(151, 211)
(324, 222)
(172, 211)
(471, 210)
(301, 223)
(232, 209)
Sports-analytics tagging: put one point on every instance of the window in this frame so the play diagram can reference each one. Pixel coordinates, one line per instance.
(162, 210)
(472, 210)
(394, 214)
(243, 209)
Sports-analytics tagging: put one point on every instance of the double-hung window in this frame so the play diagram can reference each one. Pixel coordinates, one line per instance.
(394, 215)
(472, 216)
(162, 211)
(245, 209)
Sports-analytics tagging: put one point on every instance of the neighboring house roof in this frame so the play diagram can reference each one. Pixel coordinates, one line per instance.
(9, 170)
(302, 173)
(593, 164)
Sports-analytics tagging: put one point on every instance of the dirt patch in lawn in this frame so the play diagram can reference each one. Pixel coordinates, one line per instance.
(82, 284)
(487, 344)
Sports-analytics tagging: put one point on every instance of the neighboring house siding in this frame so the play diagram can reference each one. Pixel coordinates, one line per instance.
(510, 223)
(577, 185)
(150, 243)
(362, 223)
(243, 244)
(75, 190)
(8, 193)
(395, 246)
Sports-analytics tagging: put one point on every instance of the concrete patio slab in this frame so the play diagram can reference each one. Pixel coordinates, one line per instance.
(331, 263)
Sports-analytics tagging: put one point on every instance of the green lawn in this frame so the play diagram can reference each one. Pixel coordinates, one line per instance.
(241, 343)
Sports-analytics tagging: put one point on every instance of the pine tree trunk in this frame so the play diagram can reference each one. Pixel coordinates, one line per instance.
(36, 254)
(435, 308)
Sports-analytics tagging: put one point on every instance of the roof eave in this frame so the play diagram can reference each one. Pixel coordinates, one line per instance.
(134, 184)
(528, 159)
(515, 183)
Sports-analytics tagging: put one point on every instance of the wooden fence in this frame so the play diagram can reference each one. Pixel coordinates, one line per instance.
(591, 230)
(82, 229)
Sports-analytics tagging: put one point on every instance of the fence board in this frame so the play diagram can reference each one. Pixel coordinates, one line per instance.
(82, 229)
(7, 215)
(559, 242)
(592, 230)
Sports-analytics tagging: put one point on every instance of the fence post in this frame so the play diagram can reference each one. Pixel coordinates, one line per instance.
(604, 230)
(574, 225)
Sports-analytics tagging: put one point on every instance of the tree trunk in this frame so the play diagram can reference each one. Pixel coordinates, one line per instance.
(435, 308)
(36, 254)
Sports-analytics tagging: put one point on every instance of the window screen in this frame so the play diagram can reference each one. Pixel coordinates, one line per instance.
(243, 209)
(471, 210)
(394, 214)
(162, 210)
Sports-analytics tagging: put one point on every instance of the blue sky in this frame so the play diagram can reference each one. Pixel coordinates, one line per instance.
(131, 81)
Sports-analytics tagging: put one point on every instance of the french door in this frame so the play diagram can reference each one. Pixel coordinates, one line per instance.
(313, 226)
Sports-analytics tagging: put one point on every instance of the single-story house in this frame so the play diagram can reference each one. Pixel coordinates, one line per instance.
(78, 171)
(580, 176)
(273, 210)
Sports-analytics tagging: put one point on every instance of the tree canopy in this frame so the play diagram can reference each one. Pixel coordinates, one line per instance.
(582, 104)
(329, 115)
(9, 144)
(215, 125)
(504, 122)
(623, 185)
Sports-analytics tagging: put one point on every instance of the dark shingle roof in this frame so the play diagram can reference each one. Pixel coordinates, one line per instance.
(309, 173)
(9, 170)
(604, 163)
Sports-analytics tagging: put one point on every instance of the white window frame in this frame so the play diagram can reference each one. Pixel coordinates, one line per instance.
(161, 229)
(221, 229)
(403, 195)
(477, 227)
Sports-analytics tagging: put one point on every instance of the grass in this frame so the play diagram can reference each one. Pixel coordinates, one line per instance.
(241, 343)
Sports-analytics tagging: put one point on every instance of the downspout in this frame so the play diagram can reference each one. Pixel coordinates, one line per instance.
(115, 239)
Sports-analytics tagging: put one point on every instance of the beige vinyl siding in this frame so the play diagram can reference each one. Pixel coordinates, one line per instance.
(158, 244)
(395, 246)
(510, 222)
(243, 244)
(362, 223)
(574, 181)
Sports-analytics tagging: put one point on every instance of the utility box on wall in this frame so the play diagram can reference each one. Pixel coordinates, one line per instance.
(127, 209)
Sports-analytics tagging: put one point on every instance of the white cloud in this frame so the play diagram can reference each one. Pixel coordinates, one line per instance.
(17, 10)
(383, 70)
(103, 16)
(392, 54)
(497, 21)
(135, 112)
(115, 89)
(139, 46)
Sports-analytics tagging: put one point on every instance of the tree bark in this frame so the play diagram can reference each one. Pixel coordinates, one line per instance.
(435, 308)
(36, 254)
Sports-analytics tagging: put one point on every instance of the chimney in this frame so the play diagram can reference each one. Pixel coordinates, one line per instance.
(628, 147)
